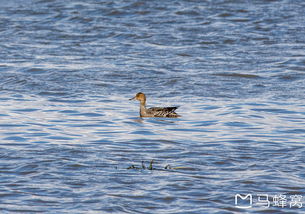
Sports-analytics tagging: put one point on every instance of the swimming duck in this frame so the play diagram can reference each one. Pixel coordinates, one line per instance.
(154, 111)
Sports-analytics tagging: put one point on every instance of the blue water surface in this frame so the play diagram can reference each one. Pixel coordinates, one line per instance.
(72, 142)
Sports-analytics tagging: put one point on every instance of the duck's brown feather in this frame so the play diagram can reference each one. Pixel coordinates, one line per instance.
(163, 111)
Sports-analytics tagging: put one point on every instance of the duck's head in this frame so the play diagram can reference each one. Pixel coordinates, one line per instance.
(140, 96)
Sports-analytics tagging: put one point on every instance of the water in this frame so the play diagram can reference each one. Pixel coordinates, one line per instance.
(68, 131)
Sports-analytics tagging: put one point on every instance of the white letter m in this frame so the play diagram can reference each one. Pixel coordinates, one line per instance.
(243, 198)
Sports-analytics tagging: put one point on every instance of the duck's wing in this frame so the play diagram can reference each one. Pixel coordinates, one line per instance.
(163, 111)
(168, 109)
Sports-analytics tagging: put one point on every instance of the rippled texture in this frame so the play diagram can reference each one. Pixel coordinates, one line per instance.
(68, 131)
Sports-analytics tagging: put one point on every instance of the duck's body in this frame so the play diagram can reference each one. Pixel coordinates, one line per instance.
(154, 111)
(158, 112)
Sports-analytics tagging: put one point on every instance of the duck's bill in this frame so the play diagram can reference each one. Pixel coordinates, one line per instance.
(132, 98)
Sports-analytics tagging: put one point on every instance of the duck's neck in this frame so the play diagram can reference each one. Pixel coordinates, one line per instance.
(142, 109)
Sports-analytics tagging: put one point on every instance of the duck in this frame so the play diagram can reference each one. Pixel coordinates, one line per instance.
(154, 111)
